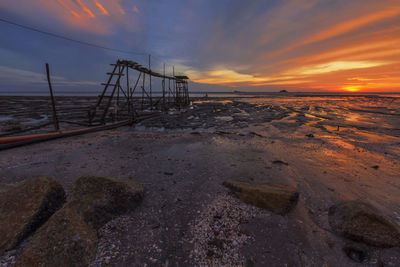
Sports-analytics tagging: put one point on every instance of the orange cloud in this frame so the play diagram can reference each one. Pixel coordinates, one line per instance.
(100, 7)
(135, 9)
(68, 8)
(350, 25)
(85, 9)
(341, 28)
(82, 15)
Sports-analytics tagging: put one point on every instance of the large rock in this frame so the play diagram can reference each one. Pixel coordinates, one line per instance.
(64, 240)
(69, 238)
(99, 199)
(277, 198)
(364, 223)
(25, 208)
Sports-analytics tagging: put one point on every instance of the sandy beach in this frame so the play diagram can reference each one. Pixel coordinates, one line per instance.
(331, 148)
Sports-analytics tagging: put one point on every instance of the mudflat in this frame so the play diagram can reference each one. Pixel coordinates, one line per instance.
(331, 149)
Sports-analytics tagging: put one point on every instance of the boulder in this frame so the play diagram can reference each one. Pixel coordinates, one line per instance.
(25, 208)
(69, 238)
(98, 200)
(363, 223)
(64, 240)
(277, 198)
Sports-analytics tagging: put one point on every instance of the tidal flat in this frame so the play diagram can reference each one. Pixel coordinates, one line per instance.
(330, 148)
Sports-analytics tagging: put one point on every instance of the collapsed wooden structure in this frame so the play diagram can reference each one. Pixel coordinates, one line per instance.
(129, 99)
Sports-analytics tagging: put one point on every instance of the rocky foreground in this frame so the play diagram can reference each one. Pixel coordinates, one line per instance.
(250, 185)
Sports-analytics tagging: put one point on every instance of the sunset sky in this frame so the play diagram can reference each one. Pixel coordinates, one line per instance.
(222, 45)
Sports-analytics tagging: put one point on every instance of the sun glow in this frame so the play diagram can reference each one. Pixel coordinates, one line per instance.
(352, 88)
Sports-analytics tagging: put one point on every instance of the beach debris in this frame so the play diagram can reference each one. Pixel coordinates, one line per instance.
(65, 240)
(375, 167)
(224, 118)
(223, 132)
(69, 238)
(310, 135)
(361, 222)
(256, 134)
(277, 198)
(280, 162)
(25, 208)
(168, 173)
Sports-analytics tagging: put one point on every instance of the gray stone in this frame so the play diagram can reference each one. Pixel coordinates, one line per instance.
(69, 238)
(277, 198)
(25, 208)
(364, 223)
(64, 240)
(98, 200)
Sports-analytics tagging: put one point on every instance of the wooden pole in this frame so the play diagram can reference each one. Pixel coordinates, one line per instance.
(173, 74)
(117, 106)
(128, 90)
(144, 76)
(55, 119)
(151, 94)
(163, 89)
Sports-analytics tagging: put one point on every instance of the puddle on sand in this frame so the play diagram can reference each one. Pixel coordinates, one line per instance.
(353, 117)
(224, 102)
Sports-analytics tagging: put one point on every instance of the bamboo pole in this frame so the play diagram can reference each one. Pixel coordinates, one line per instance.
(151, 91)
(163, 88)
(55, 119)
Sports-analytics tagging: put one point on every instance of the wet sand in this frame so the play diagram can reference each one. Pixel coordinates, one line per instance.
(183, 157)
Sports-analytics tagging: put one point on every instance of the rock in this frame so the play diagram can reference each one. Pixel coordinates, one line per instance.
(64, 240)
(356, 253)
(277, 198)
(98, 200)
(364, 223)
(69, 238)
(25, 208)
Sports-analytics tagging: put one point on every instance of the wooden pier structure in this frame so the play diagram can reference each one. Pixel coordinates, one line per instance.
(121, 99)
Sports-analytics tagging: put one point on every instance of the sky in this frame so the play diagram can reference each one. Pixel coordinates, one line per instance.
(224, 45)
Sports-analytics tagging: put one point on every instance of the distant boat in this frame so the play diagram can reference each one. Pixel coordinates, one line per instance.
(283, 91)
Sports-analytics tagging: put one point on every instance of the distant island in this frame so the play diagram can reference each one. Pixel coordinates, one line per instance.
(283, 91)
